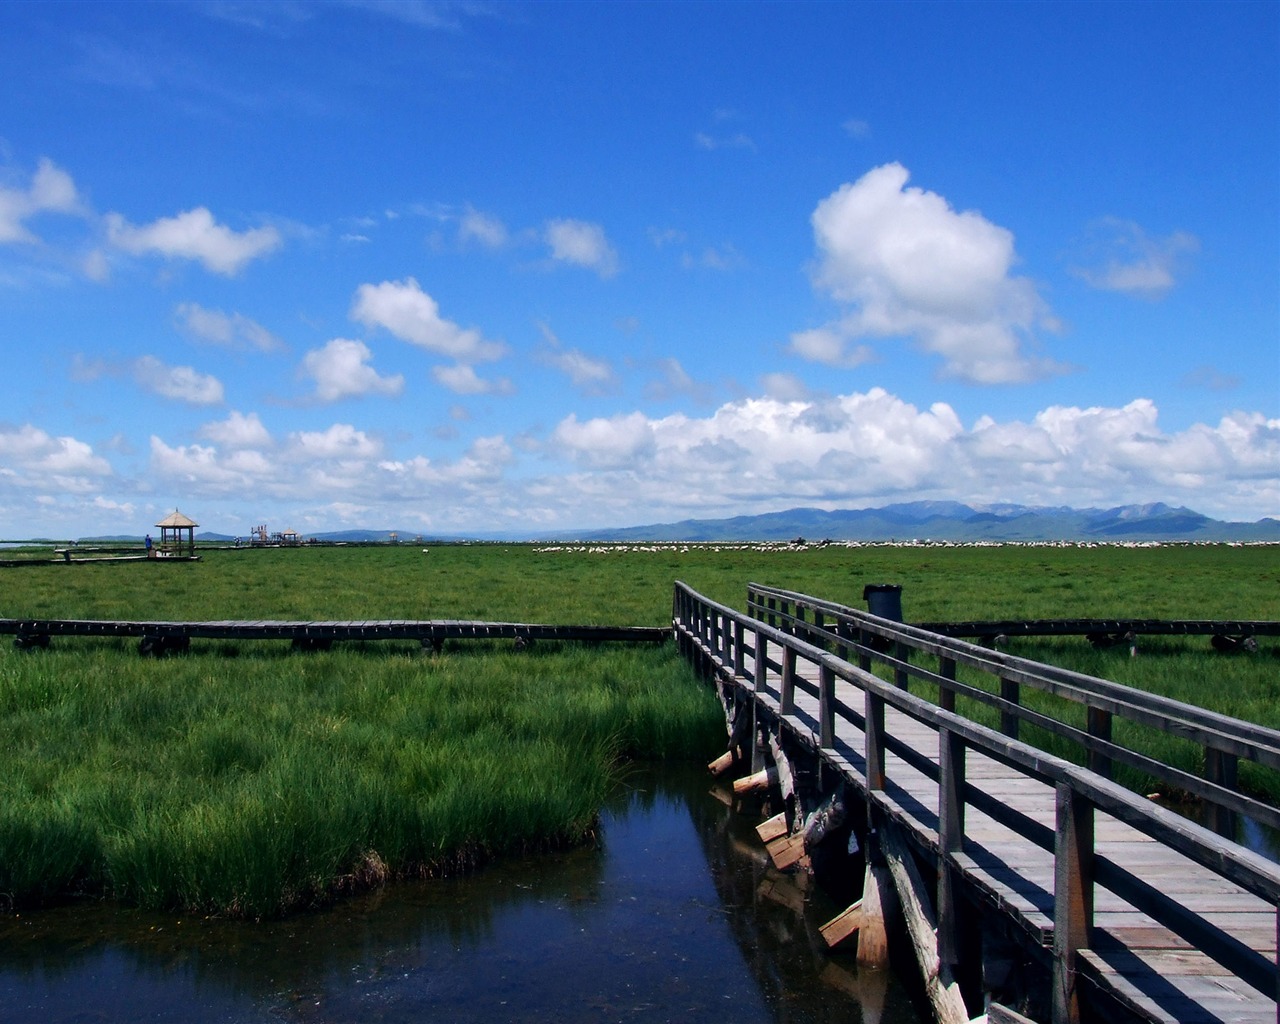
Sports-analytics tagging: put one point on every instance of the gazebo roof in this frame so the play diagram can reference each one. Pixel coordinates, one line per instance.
(176, 519)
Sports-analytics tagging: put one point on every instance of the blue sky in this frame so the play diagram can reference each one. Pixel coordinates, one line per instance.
(522, 267)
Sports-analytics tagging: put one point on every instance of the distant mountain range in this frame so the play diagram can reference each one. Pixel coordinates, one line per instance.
(916, 520)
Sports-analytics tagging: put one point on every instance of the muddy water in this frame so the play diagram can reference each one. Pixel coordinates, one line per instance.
(674, 916)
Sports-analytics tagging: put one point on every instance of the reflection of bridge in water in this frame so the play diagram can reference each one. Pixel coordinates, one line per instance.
(999, 852)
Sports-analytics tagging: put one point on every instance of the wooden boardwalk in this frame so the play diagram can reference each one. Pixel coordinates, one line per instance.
(995, 822)
(429, 632)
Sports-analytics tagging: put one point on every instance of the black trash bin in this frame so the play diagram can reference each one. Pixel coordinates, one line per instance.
(884, 600)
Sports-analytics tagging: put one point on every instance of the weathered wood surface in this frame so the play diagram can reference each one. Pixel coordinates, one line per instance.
(1005, 855)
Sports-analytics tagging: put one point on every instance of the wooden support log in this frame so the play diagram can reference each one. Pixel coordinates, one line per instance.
(941, 989)
(879, 906)
(762, 779)
(722, 763)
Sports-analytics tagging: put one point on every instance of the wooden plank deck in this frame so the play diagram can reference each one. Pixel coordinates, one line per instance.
(1142, 963)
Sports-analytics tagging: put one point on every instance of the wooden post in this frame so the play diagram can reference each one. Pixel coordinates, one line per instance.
(1009, 720)
(739, 637)
(787, 698)
(1072, 898)
(1098, 722)
(951, 776)
(1221, 767)
(946, 695)
(874, 736)
(900, 677)
(826, 706)
(879, 904)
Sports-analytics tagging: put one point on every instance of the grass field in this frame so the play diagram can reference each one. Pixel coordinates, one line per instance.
(252, 779)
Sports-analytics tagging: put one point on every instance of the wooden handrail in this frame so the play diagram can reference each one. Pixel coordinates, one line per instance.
(1225, 740)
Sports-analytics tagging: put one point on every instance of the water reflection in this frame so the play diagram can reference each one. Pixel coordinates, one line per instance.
(674, 916)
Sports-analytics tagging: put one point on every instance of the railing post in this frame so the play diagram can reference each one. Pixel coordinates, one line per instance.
(874, 735)
(772, 617)
(1098, 723)
(739, 636)
(1221, 768)
(787, 697)
(900, 677)
(1072, 898)
(761, 674)
(1009, 720)
(864, 659)
(951, 780)
(946, 695)
(826, 706)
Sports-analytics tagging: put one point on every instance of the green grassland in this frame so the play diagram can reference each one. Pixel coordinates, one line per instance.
(251, 779)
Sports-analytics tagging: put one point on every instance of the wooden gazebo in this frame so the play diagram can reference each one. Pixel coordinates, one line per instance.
(177, 536)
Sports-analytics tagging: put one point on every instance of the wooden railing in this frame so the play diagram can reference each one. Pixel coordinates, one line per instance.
(872, 640)
(763, 651)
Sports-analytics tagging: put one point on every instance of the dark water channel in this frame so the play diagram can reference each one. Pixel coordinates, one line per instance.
(675, 916)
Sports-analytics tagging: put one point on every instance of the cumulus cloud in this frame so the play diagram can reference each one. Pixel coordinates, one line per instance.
(582, 244)
(237, 431)
(51, 190)
(616, 441)
(409, 313)
(33, 458)
(182, 383)
(906, 264)
(194, 235)
(462, 379)
(341, 370)
(228, 330)
(340, 441)
(749, 455)
(1122, 257)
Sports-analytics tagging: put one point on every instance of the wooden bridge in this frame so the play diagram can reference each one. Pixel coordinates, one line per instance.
(1000, 852)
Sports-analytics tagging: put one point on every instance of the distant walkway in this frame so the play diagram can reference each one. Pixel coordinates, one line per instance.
(159, 637)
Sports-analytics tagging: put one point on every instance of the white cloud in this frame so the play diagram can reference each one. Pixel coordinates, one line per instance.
(618, 441)
(583, 244)
(237, 431)
(588, 374)
(194, 235)
(830, 347)
(341, 370)
(737, 140)
(405, 310)
(907, 264)
(1124, 258)
(482, 228)
(183, 383)
(229, 330)
(340, 441)
(51, 191)
(31, 458)
(462, 379)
